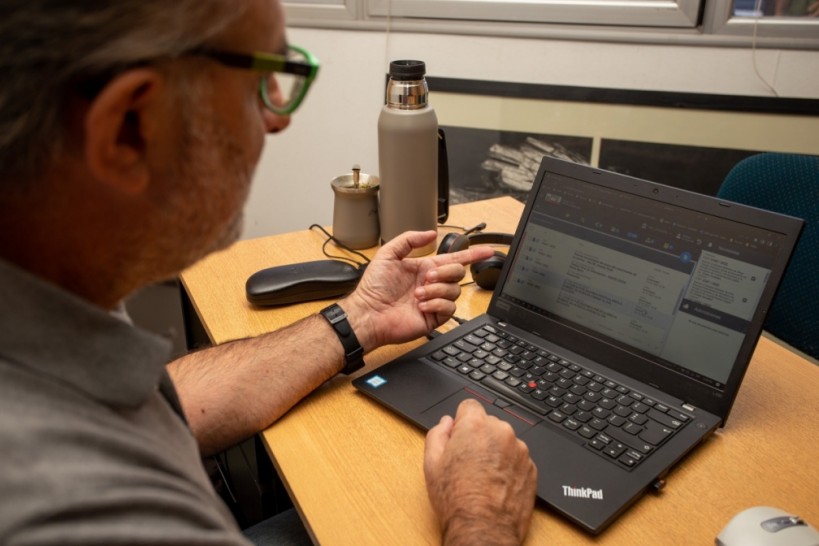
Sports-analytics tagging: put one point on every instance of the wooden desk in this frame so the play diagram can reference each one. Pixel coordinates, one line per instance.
(354, 469)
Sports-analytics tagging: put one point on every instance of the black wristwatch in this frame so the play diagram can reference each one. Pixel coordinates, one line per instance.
(353, 352)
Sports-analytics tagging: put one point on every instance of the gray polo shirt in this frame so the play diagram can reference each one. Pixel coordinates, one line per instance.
(92, 450)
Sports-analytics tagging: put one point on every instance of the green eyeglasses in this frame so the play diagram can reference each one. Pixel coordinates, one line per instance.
(294, 72)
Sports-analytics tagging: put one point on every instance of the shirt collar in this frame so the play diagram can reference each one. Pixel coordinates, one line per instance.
(55, 333)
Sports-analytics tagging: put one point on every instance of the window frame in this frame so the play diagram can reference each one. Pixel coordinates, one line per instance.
(649, 13)
(713, 25)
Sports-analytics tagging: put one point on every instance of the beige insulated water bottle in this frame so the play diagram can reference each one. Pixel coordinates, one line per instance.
(408, 155)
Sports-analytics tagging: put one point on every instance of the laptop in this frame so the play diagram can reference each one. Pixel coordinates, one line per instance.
(616, 338)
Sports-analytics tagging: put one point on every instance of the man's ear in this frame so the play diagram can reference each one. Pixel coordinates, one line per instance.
(120, 124)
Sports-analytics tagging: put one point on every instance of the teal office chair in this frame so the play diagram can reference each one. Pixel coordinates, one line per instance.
(787, 183)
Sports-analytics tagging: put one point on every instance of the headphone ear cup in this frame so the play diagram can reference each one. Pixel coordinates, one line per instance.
(486, 272)
(453, 242)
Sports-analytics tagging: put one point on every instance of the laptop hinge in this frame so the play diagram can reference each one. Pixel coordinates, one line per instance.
(689, 407)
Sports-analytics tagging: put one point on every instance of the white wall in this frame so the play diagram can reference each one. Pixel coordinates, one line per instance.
(336, 126)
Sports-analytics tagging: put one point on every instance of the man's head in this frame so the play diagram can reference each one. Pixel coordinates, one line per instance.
(53, 50)
(120, 130)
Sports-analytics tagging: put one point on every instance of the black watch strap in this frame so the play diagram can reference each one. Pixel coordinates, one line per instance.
(353, 352)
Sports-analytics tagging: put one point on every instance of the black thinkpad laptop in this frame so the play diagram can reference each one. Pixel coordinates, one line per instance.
(616, 339)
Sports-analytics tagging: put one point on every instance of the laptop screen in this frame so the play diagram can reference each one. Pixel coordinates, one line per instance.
(659, 280)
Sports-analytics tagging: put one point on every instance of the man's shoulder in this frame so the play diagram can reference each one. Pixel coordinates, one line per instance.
(70, 460)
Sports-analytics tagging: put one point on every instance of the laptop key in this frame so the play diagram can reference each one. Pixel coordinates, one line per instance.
(598, 424)
(639, 407)
(568, 409)
(664, 418)
(586, 432)
(627, 461)
(583, 416)
(614, 449)
(474, 340)
(572, 398)
(596, 443)
(556, 416)
(553, 401)
(539, 394)
(571, 424)
(632, 428)
(638, 418)
(616, 420)
(607, 403)
(634, 454)
(655, 433)
(677, 415)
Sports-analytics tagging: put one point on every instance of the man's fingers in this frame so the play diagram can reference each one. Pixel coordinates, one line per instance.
(404, 244)
(449, 290)
(446, 273)
(465, 257)
(401, 246)
(437, 438)
(469, 408)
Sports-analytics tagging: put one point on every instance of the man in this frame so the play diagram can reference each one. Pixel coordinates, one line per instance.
(127, 145)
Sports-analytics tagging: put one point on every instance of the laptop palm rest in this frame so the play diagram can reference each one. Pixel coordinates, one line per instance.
(590, 494)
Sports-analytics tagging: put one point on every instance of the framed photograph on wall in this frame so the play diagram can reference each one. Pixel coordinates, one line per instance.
(486, 163)
(498, 131)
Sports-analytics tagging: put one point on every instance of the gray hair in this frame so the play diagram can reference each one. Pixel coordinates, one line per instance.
(48, 47)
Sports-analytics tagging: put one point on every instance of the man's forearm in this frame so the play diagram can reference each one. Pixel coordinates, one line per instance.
(232, 391)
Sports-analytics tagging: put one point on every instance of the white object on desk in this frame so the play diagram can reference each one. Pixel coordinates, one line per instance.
(766, 526)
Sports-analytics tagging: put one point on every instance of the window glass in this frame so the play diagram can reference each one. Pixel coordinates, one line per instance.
(776, 8)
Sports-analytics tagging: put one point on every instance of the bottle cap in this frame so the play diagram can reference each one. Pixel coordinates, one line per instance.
(407, 70)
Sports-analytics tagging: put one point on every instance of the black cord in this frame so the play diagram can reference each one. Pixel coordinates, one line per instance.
(466, 230)
(340, 245)
(435, 333)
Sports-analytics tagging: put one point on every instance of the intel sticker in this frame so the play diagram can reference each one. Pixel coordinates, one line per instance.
(376, 381)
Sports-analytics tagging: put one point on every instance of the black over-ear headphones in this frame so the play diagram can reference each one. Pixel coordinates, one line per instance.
(485, 273)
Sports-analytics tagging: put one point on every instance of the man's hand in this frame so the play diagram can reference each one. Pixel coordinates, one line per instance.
(480, 479)
(399, 298)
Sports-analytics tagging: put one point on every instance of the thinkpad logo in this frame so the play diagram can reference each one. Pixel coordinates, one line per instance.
(582, 492)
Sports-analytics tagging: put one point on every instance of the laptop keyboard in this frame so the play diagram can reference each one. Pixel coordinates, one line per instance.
(620, 424)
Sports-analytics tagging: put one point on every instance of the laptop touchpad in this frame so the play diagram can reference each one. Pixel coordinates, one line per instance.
(449, 406)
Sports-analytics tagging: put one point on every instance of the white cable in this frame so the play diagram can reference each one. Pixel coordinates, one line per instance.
(757, 15)
(387, 37)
